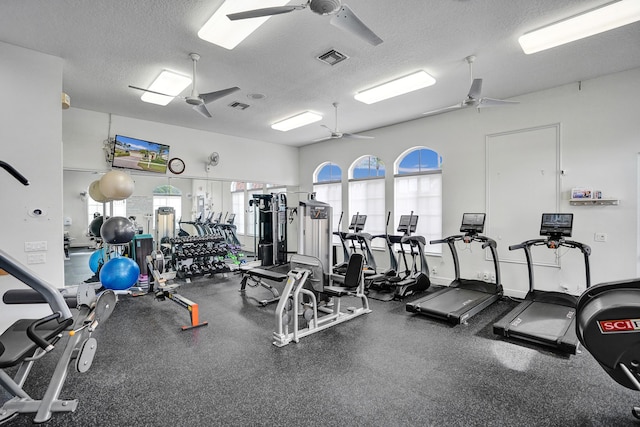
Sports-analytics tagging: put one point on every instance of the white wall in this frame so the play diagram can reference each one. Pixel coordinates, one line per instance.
(599, 146)
(84, 131)
(31, 129)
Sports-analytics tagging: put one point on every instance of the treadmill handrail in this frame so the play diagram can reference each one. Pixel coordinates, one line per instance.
(414, 239)
(486, 241)
(527, 244)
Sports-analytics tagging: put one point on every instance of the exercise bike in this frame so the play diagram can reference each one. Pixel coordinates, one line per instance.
(28, 340)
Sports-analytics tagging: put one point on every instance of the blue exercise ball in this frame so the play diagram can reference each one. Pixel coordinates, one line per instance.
(119, 273)
(117, 230)
(96, 259)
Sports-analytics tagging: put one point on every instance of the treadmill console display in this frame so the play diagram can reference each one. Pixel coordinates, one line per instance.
(556, 224)
(472, 223)
(358, 222)
(408, 223)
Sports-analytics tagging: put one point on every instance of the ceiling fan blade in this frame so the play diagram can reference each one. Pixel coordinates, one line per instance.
(267, 11)
(326, 138)
(476, 89)
(347, 20)
(490, 102)
(202, 109)
(212, 96)
(152, 91)
(444, 110)
(356, 136)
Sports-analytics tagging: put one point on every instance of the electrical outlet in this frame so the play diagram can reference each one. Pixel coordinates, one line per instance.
(493, 277)
(434, 270)
(600, 237)
(35, 246)
(39, 258)
(485, 276)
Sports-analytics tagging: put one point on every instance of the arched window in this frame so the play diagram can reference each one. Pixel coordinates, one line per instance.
(366, 194)
(418, 189)
(327, 184)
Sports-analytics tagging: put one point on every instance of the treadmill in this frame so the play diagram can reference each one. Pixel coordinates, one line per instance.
(547, 318)
(464, 297)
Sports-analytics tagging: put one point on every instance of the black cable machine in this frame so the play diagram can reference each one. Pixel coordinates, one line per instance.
(271, 227)
(607, 325)
(464, 297)
(546, 317)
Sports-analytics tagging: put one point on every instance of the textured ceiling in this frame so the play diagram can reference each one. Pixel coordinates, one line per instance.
(108, 45)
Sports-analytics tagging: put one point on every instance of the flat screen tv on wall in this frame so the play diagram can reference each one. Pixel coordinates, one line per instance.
(137, 154)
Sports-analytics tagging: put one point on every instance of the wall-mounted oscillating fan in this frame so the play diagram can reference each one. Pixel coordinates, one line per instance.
(212, 160)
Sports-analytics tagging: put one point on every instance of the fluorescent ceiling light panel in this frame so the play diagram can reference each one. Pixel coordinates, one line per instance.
(296, 121)
(167, 82)
(587, 24)
(226, 33)
(406, 84)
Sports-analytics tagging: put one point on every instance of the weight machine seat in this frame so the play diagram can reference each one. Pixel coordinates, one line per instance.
(17, 345)
(31, 296)
(266, 274)
(352, 278)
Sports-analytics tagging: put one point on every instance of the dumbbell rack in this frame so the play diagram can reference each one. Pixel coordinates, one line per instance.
(198, 256)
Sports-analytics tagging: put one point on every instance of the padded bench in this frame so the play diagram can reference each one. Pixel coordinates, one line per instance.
(17, 345)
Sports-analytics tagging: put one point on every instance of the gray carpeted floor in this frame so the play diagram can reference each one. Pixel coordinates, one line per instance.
(387, 368)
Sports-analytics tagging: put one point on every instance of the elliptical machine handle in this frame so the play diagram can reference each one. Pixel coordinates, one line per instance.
(518, 246)
(41, 342)
(17, 175)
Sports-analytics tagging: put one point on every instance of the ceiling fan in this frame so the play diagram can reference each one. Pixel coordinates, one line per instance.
(343, 17)
(198, 100)
(474, 98)
(336, 134)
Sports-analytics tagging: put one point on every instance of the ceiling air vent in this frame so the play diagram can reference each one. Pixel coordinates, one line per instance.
(332, 57)
(239, 105)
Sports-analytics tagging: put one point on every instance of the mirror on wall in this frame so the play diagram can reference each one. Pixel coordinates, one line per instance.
(191, 199)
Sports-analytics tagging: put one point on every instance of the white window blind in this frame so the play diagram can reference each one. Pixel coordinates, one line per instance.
(366, 197)
(421, 194)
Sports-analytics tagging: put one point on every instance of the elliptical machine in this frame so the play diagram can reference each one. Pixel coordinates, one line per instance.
(396, 284)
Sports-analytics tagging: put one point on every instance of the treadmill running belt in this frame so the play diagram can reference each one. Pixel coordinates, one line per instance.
(543, 320)
(453, 300)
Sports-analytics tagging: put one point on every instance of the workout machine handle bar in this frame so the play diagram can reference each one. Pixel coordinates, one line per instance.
(585, 249)
(486, 242)
(14, 173)
(41, 342)
(526, 245)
